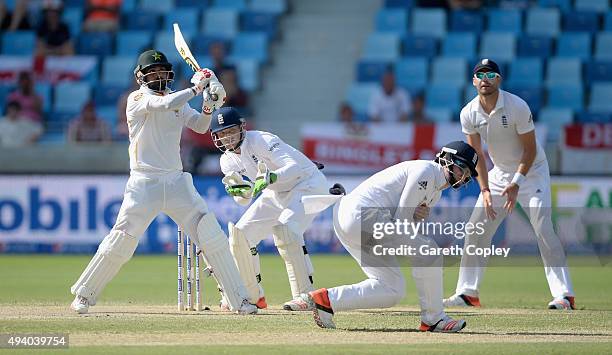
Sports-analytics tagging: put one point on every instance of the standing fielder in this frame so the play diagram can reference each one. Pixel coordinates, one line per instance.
(157, 183)
(282, 175)
(520, 172)
(410, 189)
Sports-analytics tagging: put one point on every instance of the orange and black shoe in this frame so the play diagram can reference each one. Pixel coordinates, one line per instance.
(566, 302)
(444, 325)
(461, 300)
(261, 303)
(322, 311)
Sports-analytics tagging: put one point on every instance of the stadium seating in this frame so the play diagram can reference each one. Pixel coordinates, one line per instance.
(358, 96)
(394, 21)
(498, 46)
(535, 46)
(575, 45)
(95, 43)
(569, 96)
(382, 46)
(276, 7)
(133, 42)
(251, 21)
(431, 22)
(601, 94)
(525, 72)
(187, 18)
(449, 71)
(581, 22)
(466, 21)
(412, 73)
(70, 97)
(118, 71)
(371, 71)
(221, 22)
(543, 21)
(555, 119)
(251, 45)
(603, 46)
(592, 5)
(18, 43)
(564, 71)
(508, 21)
(443, 96)
(419, 46)
(459, 45)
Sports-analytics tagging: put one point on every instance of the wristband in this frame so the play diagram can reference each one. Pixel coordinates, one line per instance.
(486, 189)
(518, 179)
(194, 90)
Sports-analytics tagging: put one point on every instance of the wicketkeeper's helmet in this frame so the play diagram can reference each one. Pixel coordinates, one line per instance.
(225, 118)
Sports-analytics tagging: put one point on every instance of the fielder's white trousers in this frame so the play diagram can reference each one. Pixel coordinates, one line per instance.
(534, 197)
(385, 285)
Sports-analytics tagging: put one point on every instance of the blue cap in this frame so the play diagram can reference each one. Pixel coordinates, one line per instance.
(225, 117)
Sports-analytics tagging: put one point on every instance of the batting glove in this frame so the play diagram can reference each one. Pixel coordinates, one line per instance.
(264, 178)
(214, 97)
(202, 78)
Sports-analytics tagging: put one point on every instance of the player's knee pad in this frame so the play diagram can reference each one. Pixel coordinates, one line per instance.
(243, 256)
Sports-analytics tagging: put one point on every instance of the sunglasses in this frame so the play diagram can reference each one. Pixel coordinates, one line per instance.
(489, 75)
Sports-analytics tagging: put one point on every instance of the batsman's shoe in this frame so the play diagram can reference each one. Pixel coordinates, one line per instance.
(247, 308)
(444, 325)
(566, 302)
(80, 305)
(322, 312)
(261, 303)
(297, 304)
(461, 300)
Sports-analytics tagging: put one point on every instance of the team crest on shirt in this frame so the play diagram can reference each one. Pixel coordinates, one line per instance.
(504, 121)
(138, 96)
(422, 185)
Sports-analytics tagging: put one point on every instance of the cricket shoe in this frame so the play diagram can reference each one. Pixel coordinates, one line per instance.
(224, 306)
(297, 304)
(261, 303)
(461, 300)
(444, 325)
(318, 302)
(566, 302)
(80, 305)
(247, 308)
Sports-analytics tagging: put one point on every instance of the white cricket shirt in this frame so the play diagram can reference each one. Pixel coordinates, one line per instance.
(500, 130)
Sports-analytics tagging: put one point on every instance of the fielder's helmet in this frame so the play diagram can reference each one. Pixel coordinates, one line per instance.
(461, 154)
(150, 59)
(224, 118)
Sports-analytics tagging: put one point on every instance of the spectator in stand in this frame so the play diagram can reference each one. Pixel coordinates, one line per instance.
(346, 116)
(217, 52)
(88, 127)
(16, 20)
(389, 103)
(418, 114)
(16, 130)
(236, 97)
(102, 15)
(53, 35)
(30, 102)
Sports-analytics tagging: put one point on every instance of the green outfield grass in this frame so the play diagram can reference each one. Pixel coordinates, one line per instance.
(137, 312)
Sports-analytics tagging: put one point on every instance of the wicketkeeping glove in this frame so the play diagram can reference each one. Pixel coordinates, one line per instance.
(235, 185)
(264, 178)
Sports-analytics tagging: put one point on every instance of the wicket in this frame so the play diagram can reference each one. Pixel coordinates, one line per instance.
(191, 268)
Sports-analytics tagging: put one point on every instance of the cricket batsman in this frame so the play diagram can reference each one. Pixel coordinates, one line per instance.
(277, 176)
(403, 192)
(156, 116)
(520, 173)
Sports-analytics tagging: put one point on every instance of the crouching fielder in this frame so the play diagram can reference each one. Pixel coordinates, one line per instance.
(157, 183)
(406, 191)
(282, 175)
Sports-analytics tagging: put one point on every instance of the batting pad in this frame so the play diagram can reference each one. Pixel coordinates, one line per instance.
(114, 251)
(239, 247)
(215, 248)
(289, 246)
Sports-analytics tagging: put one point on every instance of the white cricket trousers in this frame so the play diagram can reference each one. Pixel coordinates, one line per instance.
(385, 285)
(534, 197)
